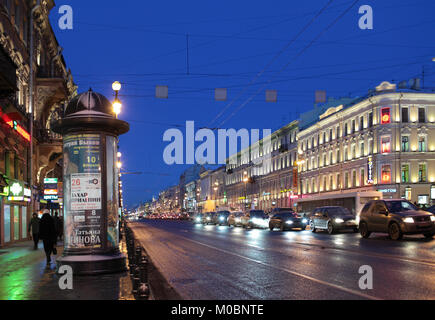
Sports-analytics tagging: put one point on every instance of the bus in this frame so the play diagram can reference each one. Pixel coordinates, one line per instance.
(353, 201)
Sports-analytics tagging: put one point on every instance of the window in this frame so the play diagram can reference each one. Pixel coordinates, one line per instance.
(330, 134)
(338, 156)
(370, 151)
(345, 154)
(354, 178)
(330, 182)
(405, 172)
(345, 129)
(385, 116)
(338, 181)
(370, 119)
(421, 115)
(337, 132)
(324, 183)
(385, 145)
(361, 148)
(405, 115)
(324, 160)
(324, 137)
(353, 126)
(346, 180)
(330, 157)
(386, 174)
(362, 177)
(422, 172)
(422, 144)
(405, 144)
(353, 151)
(361, 123)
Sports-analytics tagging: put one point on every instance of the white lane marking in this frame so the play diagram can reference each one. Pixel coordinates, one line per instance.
(354, 292)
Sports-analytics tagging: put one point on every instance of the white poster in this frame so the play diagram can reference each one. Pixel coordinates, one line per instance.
(85, 191)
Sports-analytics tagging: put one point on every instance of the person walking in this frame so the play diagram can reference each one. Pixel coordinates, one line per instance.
(57, 225)
(34, 227)
(47, 233)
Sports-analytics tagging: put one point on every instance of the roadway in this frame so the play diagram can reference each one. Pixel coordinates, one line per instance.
(222, 263)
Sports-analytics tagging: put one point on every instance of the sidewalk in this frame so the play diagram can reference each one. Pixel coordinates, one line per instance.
(24, 276)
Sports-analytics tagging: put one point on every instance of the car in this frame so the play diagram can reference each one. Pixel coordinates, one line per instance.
(431, 209)
(235, 219)
(287, 220)
(255, 219)
(395, 217)
(221, 218)
(208, 218)
(332, 219)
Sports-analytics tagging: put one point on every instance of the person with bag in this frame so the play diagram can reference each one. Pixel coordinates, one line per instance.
(47, 232)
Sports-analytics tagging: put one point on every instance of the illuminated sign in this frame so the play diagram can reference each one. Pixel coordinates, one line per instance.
(387, 190)
(385, 116)
(14, 125)
(370, 169)
(50, 180)
(16, 189)
(432, 192)
(51, 197)
(27, 192)
(50, 191)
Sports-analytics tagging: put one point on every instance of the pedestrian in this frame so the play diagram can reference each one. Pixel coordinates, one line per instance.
(60, 231)
(57, 225)
(47, 233)
(34, 227)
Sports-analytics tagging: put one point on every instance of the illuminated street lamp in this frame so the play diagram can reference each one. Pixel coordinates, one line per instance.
(117, 105)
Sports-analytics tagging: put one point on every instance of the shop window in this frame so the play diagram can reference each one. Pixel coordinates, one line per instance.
(385, 144)
(385, 116)
(7, 223)
(16, 223)
(386, 174)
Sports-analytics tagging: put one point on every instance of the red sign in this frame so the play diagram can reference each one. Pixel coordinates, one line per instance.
(14, 125)
(385, 116)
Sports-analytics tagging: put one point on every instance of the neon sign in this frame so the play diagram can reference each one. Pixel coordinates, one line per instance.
(385, 116)
(370, 170)
(14, 125)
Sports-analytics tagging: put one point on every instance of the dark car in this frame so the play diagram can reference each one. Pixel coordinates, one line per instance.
(395, 217)
(221, 217)
(287, 221)
(431, 209)
(255, 219)
(208, 218)
(278, 210)
(332, 219)
(235, 219)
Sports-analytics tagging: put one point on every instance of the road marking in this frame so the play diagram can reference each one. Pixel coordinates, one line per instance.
(354, 292)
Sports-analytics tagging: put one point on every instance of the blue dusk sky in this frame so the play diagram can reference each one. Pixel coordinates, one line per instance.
(297, 51)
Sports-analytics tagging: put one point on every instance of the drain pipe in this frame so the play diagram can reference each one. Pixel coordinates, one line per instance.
(31, 106)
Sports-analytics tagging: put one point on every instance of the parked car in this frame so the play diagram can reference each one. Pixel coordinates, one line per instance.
(208, 218)
(221, 217)
(287, 220)
(332, 219)
(395, 217)
(235, 219)
(431, 209)
(255, 219)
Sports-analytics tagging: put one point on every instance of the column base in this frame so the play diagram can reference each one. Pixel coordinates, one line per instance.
(94, 264)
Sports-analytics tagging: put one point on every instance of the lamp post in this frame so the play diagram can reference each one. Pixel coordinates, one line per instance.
(245, 180)
(117, 105)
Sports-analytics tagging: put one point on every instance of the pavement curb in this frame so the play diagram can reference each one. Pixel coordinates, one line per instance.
(160, 287)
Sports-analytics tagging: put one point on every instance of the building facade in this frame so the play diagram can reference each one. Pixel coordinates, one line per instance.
(384, 142)
(22, 171)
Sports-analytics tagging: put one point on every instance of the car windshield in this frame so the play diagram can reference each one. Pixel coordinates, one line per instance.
(338, 211)
(289, 215)
(223, 213)
(284, 210)
(398, 206)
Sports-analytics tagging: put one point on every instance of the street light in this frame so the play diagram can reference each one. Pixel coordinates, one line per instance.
(117, 105)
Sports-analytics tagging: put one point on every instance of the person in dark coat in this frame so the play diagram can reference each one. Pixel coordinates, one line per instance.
(57, 225)
(34, 227)
(47, 232)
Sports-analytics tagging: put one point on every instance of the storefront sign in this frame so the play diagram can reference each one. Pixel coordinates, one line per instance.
(14, 125)
(370, 166)
(388, 190)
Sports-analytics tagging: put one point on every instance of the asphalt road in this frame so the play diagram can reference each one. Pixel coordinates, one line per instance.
(217, 262)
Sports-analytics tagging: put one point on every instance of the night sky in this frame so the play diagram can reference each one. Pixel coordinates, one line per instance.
(143, 44)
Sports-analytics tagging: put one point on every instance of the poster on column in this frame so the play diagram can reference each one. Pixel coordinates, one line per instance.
(82, 191)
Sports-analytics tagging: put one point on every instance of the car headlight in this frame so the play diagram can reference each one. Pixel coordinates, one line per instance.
(289, 222)
(432, 218)
(198, 219)
(339, 220)
(208, 219)
(237, 219)
(221, 218)
(408, 220)
(304, 221)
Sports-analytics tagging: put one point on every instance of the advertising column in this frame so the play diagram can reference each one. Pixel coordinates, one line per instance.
(84, 224)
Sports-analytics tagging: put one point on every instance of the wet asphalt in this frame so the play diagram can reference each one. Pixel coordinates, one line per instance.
(222, 263)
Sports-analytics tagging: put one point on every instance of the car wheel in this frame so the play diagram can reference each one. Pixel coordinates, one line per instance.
(313, 229)
(270, 227)
(330, 228)
(394, 231)
(364, 230)
(429, 235)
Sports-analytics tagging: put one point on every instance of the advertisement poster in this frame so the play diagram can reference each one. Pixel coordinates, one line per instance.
(82, 186)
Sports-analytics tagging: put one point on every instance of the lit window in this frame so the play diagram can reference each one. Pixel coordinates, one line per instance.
(405, 143)
(405, 173)
(385, 116)
(385, 145)
(422, 144)
(386, 174)
(422, 172)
